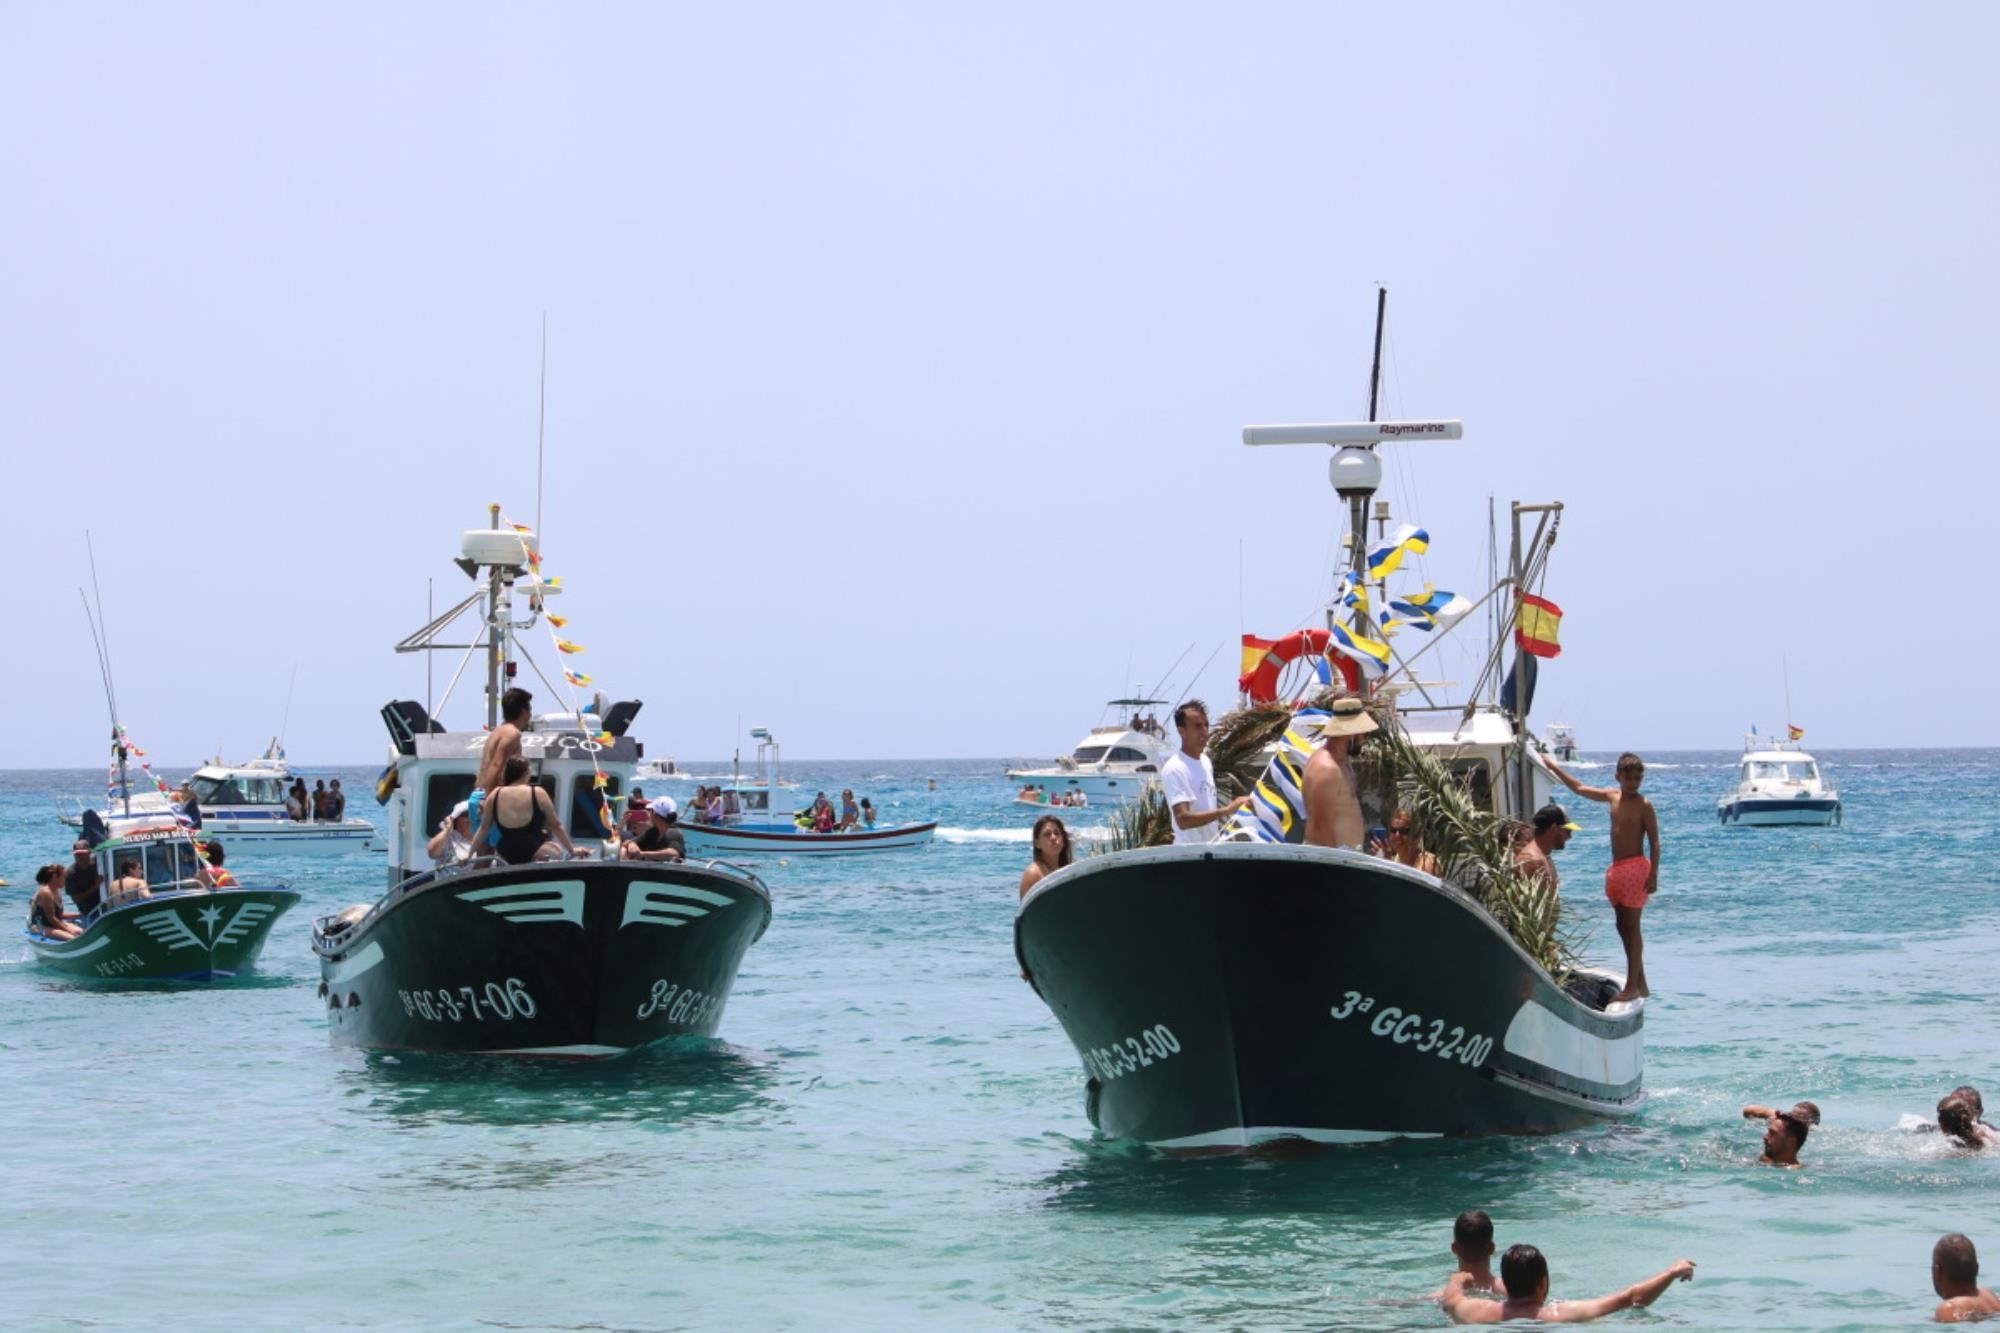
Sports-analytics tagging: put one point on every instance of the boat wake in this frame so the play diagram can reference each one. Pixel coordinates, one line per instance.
(1095, 833)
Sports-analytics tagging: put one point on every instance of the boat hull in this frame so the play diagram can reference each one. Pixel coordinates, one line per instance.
(1814, 812)
(565, 959)
(733, 840)
(1238, 995)
(1099, 787)
(267, 833)
(199, 936)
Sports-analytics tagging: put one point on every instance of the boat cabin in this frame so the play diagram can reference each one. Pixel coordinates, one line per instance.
(164, 853)
(1774, 767)
(215, 786)
(1483, 754)
(435, 770)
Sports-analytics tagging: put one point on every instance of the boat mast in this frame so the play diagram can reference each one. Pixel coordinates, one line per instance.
(497, 607)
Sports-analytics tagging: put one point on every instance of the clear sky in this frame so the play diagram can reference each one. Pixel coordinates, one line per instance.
(898, 354)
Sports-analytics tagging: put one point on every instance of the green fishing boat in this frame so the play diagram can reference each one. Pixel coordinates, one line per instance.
(155, 916)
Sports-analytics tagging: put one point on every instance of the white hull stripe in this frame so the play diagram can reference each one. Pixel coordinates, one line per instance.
(1250, 1136)
(566, 1052)
(59, 951)
(1539, 1035)
(347, 969)
(526, 904)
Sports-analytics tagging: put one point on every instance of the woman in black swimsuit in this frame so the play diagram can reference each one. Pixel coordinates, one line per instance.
(522, 814)
(45, 913)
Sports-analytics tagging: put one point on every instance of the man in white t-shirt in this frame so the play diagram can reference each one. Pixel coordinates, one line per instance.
(1189, 778)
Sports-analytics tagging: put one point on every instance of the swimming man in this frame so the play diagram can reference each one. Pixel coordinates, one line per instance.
(1526, 1272)
(1955, 1278)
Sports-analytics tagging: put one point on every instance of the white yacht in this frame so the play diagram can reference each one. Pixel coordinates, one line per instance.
(1778, 783)
(1561, 742)
(1112, 763)
(245, 803)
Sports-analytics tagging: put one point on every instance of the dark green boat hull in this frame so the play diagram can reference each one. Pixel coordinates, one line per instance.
(171, 937)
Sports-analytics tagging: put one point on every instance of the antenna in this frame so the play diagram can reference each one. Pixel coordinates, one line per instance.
(102, 631)
(1785, 669)
(541, 423)
(285, 722)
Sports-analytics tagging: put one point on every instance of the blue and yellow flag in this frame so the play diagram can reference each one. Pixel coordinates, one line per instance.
(1371, 655)
(1387, 559)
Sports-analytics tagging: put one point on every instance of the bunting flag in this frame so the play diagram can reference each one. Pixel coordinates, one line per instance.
(1537, 626)
(1795, 733)
(565, 646)
(1387, 559)
(577, 678)
(560, 622)
(1371, 655)
(1427, 611)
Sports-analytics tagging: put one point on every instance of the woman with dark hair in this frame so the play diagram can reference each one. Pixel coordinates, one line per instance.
(45, 912)
(523, 816)
(1051, 844)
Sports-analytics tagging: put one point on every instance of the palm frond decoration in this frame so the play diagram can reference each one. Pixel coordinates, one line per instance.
(1475, 850)
(1145, 822)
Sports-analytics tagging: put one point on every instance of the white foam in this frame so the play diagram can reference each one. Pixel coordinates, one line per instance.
(1021, 835)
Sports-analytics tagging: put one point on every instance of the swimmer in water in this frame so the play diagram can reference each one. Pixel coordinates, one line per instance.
(1472, 1246)
(1526, 1272)
(1784, 1132)
(1955, 1278)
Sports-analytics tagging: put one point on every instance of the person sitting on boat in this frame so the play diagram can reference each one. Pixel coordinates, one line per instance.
(1051, 843)
(1955, 1279)
(867, 814)
(452, 843)
(129, 887)
(1329, 789)
(850, 813)
(1472, 1246)
(1189, 777)
(1525, 1272)
(45, 910)
(336, 802)
(661, 840)
(634, 822)
(517, 714)
(714, 808)
(211, 874)
(518, 818)
(83, 881)
(1400, 844)
(823, 819)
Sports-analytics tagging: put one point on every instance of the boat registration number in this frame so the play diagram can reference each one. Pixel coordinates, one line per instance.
(500, 1000)
(1407, 1028)
(1128, 1054)
(118, 967)
(678, 1004)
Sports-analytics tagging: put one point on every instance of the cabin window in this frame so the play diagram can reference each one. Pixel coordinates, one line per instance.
(441, 793)
(264, 791)
(585, 810)
(1125, 754)
(760, 801)
(1088, 754)
(167, 864)
(1475, 779)
(216, 791)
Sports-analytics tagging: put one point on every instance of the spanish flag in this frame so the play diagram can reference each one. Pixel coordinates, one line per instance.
(1254, 649)
(1795, 733)
(1537, 625)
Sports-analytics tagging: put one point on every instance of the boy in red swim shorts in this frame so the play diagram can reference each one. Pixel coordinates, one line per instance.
(1634, 875)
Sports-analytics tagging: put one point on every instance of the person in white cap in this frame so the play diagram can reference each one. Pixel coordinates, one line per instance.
(452, 842)
(661, 840)
(1332, 795)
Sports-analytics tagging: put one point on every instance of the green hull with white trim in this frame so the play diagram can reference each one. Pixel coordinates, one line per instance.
(185, 936)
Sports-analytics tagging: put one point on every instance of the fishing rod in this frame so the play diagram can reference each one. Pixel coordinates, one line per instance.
(1170, 670)
(1196, 676)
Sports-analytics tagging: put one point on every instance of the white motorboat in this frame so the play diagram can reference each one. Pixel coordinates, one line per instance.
(245, 804)
(1561, 742)
(1112, 763)
(1778, 783)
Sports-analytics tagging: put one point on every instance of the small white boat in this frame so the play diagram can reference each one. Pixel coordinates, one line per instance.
(245, 803)
(1561, 742)
(1114, 763)
(758, 820)
(1778, 783)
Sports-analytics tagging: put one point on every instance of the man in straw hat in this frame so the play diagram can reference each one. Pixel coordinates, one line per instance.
(1333, 798)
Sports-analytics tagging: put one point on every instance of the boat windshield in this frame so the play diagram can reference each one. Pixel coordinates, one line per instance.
(1789, 770)
(1089, 754)
(237, 791)
(1125, 754)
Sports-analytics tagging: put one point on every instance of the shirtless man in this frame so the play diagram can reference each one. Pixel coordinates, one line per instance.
(1958, 1119)
(516, 716)
(1634, 876)
(1784, 1133)
(1332, 800)
(1472, 1246)
(1550, 834)
(1955, 1278)
(1524, 1270)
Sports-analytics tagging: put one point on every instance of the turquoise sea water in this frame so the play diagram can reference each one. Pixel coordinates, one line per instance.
(892, 1133)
